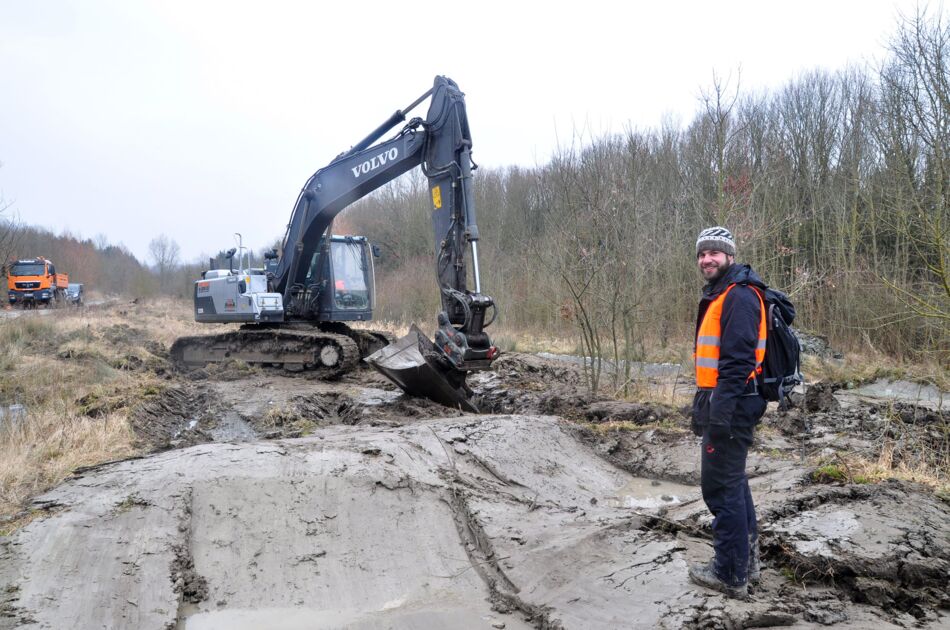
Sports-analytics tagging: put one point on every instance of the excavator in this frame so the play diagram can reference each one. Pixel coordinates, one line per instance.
(294, 312)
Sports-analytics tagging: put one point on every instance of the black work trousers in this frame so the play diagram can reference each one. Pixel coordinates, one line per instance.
(725, 489)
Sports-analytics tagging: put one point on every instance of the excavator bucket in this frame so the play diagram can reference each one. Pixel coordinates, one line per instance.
(412, 363)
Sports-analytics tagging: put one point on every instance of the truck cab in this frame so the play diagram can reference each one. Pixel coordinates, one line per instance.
(35, 281)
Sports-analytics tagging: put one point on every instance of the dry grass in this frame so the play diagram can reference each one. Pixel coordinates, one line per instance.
(858, 369)
(289, 420)
(859, 469)
(663, 391)
(40, 450)
(53, 365)
(520, 340)
(167, 318)
(884, 467)
(915, 450)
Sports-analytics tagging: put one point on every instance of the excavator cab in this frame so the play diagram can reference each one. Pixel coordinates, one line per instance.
(339, 284)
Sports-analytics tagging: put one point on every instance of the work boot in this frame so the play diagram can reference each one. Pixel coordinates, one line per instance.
(705, 575)
(755, 564)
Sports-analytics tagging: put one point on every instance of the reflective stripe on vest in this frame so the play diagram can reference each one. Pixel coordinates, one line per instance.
(708, 341)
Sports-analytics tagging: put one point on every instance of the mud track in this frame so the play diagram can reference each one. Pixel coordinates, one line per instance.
(281, 501)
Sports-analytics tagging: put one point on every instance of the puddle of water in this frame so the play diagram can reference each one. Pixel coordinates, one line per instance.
(904, 391)
(231, 427)
(272, 618)
(834, 525)
(817, 529)
(372, 397)
(12, 411)
(813, 548)
(650, 494)
(11, 415)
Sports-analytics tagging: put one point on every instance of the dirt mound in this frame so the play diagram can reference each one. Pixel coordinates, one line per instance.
(301, 415)
(904, 433)
(821, 397)
(392, 527)
(817, 345)
(528, 384)
(865, 543)
(469, 522)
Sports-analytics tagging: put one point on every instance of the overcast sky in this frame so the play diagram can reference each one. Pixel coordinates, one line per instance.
(199, 119)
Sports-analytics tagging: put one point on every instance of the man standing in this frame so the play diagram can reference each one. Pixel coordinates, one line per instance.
(730, 346)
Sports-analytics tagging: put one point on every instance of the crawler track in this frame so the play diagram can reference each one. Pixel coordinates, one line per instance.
(294, 349)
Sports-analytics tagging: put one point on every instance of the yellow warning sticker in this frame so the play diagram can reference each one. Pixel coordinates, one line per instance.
(437, 197)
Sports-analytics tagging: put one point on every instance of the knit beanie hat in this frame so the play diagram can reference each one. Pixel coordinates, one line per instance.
(717, 238)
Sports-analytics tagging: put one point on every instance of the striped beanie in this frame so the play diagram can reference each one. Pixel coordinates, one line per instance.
(717, 238)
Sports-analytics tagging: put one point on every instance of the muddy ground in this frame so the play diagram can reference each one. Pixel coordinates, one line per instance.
(280, 501)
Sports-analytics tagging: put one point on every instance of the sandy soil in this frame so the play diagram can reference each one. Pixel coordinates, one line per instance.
(275, 500)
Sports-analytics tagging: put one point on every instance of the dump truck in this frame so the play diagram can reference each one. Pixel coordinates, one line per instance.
(34, 281)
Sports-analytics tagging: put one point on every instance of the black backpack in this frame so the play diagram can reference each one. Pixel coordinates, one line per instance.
(781, 369)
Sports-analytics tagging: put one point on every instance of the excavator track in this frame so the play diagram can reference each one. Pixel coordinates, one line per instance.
(294, 349)
(368, 341)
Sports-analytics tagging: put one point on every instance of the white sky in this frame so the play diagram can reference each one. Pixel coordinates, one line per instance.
(199, 119)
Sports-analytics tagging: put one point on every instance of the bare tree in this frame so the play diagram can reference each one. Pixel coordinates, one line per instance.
(164, 252)
(915, 87)
(9, 231)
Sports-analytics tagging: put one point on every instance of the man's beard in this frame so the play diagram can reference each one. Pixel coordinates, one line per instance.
(720, 272)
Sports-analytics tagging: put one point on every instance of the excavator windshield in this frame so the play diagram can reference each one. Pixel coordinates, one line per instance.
(352, 274)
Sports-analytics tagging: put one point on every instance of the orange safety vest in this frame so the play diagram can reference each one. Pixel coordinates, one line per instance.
(707, 342)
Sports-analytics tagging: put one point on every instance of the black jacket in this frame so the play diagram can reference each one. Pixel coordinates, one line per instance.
(735, 400)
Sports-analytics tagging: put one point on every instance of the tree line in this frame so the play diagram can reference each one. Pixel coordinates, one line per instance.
(96, 263)
(837, 186)
(104, 267)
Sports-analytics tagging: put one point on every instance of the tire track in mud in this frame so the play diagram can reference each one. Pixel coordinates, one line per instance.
(460, 447)
(503, 593)
(191, 587)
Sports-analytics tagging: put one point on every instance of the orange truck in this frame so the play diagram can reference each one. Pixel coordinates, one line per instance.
(35, 281)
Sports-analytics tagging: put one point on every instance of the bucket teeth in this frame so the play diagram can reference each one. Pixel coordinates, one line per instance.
(413, 364)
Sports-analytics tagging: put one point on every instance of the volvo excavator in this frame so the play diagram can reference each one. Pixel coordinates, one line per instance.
(294, 311)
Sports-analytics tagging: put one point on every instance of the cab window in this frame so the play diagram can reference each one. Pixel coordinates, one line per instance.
(349, 275)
